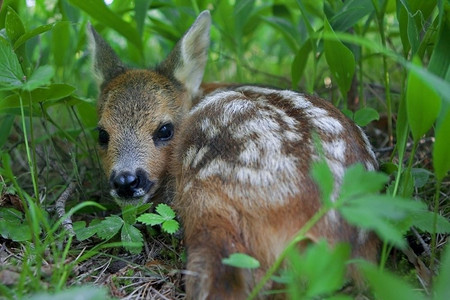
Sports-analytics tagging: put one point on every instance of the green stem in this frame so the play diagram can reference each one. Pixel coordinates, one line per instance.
(433, 234)
(297, 238)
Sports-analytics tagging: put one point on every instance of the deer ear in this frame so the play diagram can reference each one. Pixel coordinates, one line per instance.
(106, 63)
(187, 61)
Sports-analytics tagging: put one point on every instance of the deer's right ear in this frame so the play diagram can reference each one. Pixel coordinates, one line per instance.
(106, 63)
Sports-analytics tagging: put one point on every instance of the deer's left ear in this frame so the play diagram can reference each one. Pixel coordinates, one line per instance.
(187, 61)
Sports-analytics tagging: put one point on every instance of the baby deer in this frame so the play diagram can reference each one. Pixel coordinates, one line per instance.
(235, 166)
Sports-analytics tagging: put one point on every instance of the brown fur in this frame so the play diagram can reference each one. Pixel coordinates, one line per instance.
(237, 168)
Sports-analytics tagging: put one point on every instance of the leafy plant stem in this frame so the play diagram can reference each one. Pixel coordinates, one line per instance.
(297, 238)
(433, 234)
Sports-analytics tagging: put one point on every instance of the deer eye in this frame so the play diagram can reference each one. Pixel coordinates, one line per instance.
(164, 133)
(103, 137)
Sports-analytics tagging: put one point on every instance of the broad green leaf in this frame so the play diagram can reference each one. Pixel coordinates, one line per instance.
(299, 63)
(13, 25)
(40, 77)
(441, 288)
(322, 175)
(420, 176)
(388, 287)
(441, 148)
(140, 13)
(358, 181)
(17, 232)
(52, 92)
(241, 14)
(241, 260)
(11, 74)
(440, 58)
(422, 104)
(109, 227)
(170, 226)
(424, 221)
(98, 10)
(365, 115)
(286, 29)
(151, 219)
(340, 60)
(11, 215)
(60, 43)
(165, 211)
(351, 12)
(32, 33)
(132, 238)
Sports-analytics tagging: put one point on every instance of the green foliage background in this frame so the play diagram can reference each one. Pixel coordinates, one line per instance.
(371, 58)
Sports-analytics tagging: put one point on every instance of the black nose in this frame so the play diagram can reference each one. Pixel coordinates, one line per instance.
(129, 185)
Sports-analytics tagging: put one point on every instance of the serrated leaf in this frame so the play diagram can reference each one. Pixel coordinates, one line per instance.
(165, 211)
(129, 214)
(424, 221)
(11, 74)
(170, 226)
(132, 238)
(365, 115)
(339, 58)
(381, 213)
(388, 286)
(82, 232)
(423, 104)
(321, 267)
(109, 227)
(151, 219)
(357, 180)
(241, 260)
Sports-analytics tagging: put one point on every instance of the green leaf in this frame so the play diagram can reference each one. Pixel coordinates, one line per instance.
(85, 292)
(60, 43)
(365, 115)
(82, 232)
(440, 60)
(140, 13)
(241, 260)
(299, 63)
(424, 221)
(53, 92)
(351, 12)
(13, 25)
(388, 287)
(170, 226)
(420, 176)
(422, 104)
(32, 33)
(317, 272)
(441, 287)
(109, 227)
(151, 219)
(98, 10)
(11, 74)
(441, 148)
(40, 77)
(129, 214)
(358, 181)
(132, 238)
(165, 211)
(322, 175)
(381, 213)
(339, 58)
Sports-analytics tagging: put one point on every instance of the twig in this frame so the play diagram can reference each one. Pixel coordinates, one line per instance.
(60, 204)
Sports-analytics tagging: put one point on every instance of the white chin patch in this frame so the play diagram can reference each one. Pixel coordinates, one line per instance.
(141, 199)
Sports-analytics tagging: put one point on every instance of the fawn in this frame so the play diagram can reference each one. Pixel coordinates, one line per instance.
(235, 165)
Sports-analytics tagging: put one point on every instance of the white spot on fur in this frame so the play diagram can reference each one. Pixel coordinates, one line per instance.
(210, 130)
(335, 149)
(189, 156)
(199, 156)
